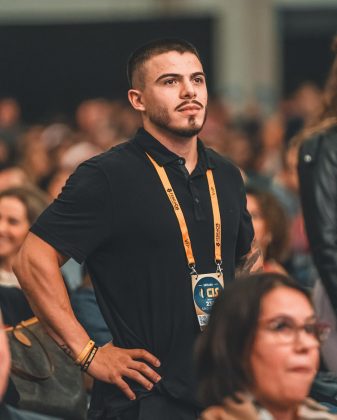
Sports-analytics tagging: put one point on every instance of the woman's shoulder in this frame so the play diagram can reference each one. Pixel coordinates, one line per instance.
(311, 409)
(247, 410)
(233, 410)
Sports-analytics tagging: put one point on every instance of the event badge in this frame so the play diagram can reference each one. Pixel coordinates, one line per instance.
(205, 289)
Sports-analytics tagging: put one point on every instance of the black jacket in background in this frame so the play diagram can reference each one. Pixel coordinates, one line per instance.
(318, 189)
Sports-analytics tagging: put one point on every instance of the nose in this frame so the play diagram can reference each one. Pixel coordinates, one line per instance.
(304, 341)
(3, 225)
(187, 89)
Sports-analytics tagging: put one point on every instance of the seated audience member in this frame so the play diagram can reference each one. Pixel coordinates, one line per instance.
(19, 208)
(7, 412)
(260, 352)
(271, 228)
(13, 176)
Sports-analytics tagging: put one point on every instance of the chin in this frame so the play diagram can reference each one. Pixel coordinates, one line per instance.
(186, 131)
(296, 393)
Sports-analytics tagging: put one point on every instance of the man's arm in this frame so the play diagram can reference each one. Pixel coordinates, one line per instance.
(250, 263)
(37, 268)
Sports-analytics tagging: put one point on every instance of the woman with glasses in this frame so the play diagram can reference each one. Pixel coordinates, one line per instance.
(260, 352)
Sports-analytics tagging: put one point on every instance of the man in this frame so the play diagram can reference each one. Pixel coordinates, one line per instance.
(115, 214)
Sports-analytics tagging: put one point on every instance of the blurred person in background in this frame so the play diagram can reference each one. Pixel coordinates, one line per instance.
(308, 103)
(19, 208)
(10, 129)
(215, 130)
(13, 176)
(33, 157)
(10, 123)
(259, 354)
(318, 185)
(91, 115)
(271, 228)
(272, 145)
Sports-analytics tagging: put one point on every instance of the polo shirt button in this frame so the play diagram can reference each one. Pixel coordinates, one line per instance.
(181, 162)
(197, 200)
(307, 158)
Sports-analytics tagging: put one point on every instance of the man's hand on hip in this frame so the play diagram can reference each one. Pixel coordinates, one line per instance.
(112, 363)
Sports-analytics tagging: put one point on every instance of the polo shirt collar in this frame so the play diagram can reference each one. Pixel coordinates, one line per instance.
(163, 156)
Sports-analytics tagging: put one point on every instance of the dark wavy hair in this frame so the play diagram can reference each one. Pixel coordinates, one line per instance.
(151, 49)
(276, 221)
(223, 349)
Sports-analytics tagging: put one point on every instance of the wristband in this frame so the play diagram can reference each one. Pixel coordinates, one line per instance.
(90, 358)
(84, 353)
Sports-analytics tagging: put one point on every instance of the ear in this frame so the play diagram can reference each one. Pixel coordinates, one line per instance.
(135, 98)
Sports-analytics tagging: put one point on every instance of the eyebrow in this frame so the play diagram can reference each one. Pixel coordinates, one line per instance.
(163, 76)
(308, 318)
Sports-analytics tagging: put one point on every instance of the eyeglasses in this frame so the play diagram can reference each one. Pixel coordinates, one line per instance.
(287, 331)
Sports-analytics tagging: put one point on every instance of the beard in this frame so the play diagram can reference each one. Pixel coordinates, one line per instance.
(160, 117)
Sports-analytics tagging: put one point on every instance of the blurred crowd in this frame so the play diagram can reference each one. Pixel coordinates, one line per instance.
(44, 155)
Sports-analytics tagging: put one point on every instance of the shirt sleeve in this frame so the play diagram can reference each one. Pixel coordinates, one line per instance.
(79, 220)
(246, 230)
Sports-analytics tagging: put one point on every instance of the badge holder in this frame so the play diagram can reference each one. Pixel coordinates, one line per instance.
(205, 289)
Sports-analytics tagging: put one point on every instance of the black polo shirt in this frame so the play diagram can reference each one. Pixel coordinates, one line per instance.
(114, 214)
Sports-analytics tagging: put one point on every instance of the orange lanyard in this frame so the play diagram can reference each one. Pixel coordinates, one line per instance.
(181, 218)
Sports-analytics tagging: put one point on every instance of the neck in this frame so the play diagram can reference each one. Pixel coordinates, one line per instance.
(185, 147)
(282, 413)
(6, 264)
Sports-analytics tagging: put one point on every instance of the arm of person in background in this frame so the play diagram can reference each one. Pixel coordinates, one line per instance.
(318, 189)
(37, 268)
(252, 262)
(5, 360)
(249, 256)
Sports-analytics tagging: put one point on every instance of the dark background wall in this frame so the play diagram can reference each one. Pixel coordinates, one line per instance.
(51, 68)
(306, 38)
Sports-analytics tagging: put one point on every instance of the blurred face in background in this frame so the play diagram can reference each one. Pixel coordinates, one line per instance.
(14, 226)
(283, 360)
(262, 233)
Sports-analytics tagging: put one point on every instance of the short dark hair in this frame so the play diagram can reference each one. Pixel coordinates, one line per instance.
(223, 349)
(153, 48)
(33, 199)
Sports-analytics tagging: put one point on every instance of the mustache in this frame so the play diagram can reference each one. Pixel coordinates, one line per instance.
(193, 102)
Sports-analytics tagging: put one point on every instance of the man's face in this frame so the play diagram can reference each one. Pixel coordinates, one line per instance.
(174, 95)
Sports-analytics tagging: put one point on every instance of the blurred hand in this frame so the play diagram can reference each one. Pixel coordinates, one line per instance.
(5, 360)
(111, 364)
